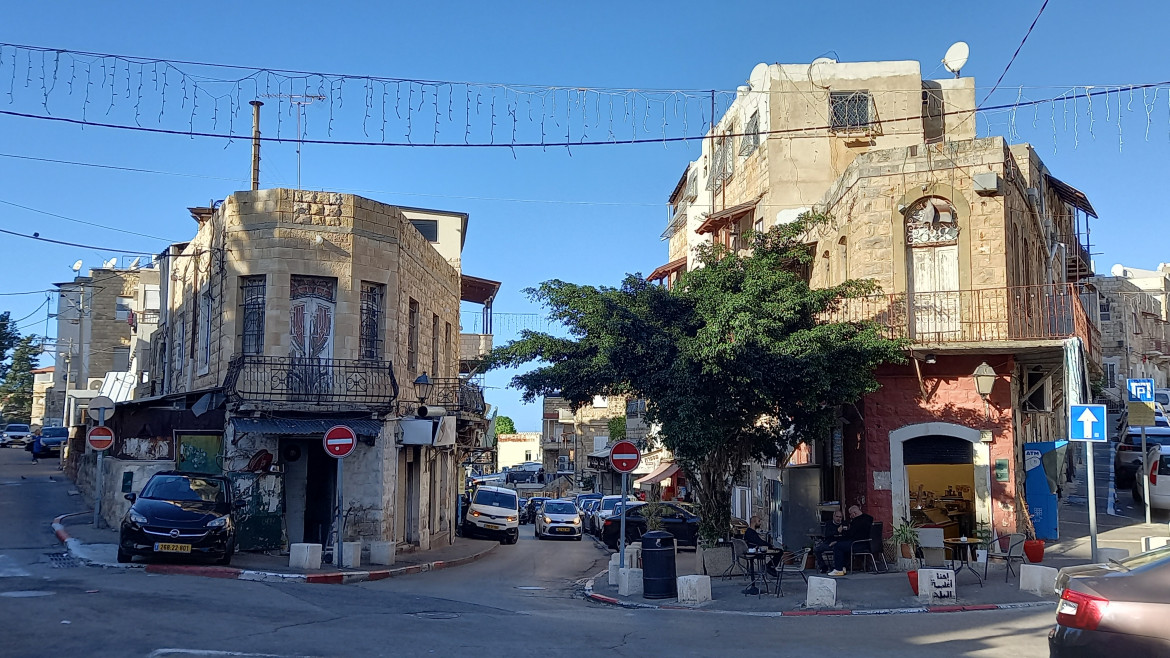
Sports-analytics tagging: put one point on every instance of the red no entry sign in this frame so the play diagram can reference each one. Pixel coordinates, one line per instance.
(100, 437)
(340, 441)
(624, 456)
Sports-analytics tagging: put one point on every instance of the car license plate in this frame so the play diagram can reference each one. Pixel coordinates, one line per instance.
(493, 526)
(172, 548)
(564, 529)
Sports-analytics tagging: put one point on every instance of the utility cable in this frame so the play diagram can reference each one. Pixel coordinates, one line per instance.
(37, 236)
(1018, 48)
(82, 221)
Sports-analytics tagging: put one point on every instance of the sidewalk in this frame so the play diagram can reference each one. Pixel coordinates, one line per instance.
(98, 547)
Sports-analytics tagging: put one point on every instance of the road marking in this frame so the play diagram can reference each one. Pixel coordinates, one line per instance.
(25, 594)
(161, 653)
(9, 569)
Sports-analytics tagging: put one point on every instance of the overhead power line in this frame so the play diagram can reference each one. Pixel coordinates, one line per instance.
(82, 221)
(36, 236)
(1018, 48)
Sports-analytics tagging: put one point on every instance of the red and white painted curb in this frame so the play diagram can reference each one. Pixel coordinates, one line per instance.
(634, 605)
(233, 573)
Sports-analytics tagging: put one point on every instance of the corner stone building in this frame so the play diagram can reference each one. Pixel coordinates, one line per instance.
(291, 312)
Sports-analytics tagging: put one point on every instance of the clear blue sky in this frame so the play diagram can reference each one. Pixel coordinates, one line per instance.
(589, 215)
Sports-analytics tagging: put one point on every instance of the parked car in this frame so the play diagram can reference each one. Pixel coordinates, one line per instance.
(604, 508)
(675, 520)
(1120, 609)
(1128, 459)
(180, 513)
(587, 509)
(528, 512)
(1158, 472)
(1161, 419)
(15, 434)
(581, 498)
(558, 518)
(1131, 562)
(52, 438)
(493, 511)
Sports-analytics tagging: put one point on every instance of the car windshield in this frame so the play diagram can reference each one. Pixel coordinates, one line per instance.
(495, 499)
(55, 432)
(559, 507)
(608, 503)
(1147, 557)
(1162, 398)
(16, 428)
(184, 488)
(1134, 437)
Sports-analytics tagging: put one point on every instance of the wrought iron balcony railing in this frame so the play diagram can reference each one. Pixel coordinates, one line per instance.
(258, 378)
(457, 395)
(1045, 312)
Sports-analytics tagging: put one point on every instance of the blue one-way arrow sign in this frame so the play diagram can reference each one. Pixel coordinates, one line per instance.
(1086, 422)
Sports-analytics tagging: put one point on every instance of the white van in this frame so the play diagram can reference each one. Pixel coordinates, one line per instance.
(1158, 459)
(493, 511)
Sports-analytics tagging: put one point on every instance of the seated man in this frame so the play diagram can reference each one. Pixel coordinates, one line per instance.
(858, 529)
(831, 533)
(752, 538)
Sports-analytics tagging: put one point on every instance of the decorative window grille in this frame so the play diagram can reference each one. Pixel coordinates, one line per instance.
(1106, 310)
(252, 300)
(692, 190)
(931, 221)
(722, 164)
(412, 337)
(370, 339)
(311, 309)
(751, 135)
(180, 341)
(850, 110)
(206, 303)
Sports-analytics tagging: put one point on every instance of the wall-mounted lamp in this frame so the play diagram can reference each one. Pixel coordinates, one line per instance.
(422, 386)
(984, 381)
(931, 359)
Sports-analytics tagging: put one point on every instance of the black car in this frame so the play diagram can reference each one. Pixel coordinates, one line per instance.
(180, 513)
(675, 520)
(51, 440)
(528, 512)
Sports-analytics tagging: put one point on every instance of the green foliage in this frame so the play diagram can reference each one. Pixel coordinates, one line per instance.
(906, 532)
(16, 389)
(735, 362)
(617, 428)
(653, 512)
(505, 425)
(9, 337)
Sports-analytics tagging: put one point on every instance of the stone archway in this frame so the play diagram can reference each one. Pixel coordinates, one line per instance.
(981, 459)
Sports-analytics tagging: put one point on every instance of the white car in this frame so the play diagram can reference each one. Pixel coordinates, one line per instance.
(604, 510)
(1158, 459)
(493, 511)
(558, 518)
(16, 434)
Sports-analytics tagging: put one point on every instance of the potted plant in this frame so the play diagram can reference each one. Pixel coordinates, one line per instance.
(906, 537)
(983, 533)
(1033, 547)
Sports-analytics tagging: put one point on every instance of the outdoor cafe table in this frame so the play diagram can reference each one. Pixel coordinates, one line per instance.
(963, 548)
(757, 572)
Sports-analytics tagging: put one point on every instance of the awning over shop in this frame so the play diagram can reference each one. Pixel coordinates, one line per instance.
(304, 426)
(665, 471)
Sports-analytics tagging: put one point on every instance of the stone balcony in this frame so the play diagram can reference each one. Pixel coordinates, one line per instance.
(473, 347)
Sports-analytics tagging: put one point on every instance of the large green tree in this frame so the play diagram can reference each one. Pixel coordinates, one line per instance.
(16, 388)
(505, 425)
(9, 337)
(736, 362)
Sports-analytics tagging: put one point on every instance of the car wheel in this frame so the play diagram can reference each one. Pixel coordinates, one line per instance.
(227, 555)
(124, 557)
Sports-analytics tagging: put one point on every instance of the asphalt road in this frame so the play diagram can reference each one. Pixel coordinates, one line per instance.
(521, 600)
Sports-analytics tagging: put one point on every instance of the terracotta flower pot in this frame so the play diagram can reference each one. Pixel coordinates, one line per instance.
(1034, 550)
(907, 551)
(913, 577)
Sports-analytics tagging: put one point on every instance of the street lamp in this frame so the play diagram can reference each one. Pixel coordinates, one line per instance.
(422, 385)
(984, 380)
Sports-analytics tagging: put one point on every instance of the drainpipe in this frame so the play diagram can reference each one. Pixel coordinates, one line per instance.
(255, 144)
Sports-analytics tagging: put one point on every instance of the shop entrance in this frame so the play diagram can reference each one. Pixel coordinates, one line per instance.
(310, 477)
(940, 479)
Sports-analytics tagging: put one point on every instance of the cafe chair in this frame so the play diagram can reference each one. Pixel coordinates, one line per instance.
(1014, 553)
(870, 549)
(738, 559)
(791, 563)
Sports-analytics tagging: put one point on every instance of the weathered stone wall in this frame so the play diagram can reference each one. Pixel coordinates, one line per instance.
(106, 330)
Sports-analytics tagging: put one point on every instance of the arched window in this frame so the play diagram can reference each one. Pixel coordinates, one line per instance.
(932, 236)
(843, 258)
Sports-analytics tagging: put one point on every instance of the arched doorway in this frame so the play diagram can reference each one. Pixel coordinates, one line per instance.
(932, 246)
(934, 456)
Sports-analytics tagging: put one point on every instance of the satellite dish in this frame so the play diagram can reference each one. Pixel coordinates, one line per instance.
(134, 263)
(77, 267)
(956, 57)
(110, 263)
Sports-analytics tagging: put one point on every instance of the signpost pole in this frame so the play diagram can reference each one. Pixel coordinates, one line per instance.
(101, 473)
(337, 551)
(1146, 477)
(1089, 447)
(622, 536)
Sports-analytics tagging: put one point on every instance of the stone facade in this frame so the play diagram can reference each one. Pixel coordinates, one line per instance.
(1133, 328)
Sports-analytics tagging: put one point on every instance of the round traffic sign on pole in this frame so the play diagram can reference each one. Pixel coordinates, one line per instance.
(624, 457)
(100, 437)
(340, 440)
(100, 408)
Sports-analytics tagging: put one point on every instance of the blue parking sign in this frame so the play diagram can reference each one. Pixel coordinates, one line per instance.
(1086, 422)
(1140, 390)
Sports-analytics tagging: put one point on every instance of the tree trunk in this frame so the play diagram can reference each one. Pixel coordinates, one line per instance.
(713, 492)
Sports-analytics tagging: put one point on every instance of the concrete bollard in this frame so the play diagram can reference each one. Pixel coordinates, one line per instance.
(382, 552)
(629, 582)
(693, 590)
(1106, 554)
(613, 570)
(822, 592)
(351, 554)
(1038, 579)
(304, 556)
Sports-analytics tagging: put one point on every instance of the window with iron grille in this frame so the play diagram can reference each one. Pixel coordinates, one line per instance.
(692, 189)
(412, 337)
(206, 303)
(370, 339)
(849, 110)
(252, 291)
(1106, 310)
(751, 135)
(435, 353)
(722, 164)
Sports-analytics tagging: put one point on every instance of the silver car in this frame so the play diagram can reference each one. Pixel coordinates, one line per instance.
(558, 518)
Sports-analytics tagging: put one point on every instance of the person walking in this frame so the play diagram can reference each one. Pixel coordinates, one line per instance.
(35, 447)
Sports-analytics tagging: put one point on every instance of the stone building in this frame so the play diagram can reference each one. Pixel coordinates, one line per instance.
(1134, 318)
(980, 254)
(288, 313)
(515, 449)
(43, 413)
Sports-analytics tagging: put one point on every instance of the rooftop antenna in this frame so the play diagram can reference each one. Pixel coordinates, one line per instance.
(300, 100)
(956, 57)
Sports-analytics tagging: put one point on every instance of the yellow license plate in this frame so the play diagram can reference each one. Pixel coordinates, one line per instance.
(172, 548)
(492, 526)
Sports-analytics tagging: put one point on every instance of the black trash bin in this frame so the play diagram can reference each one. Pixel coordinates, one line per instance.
(658, 574)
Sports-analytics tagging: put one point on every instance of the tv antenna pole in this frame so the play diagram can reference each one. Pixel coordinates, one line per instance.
(300, 100)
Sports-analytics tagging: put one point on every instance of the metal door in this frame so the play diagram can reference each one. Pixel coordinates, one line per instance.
(259, 525)
(934, 285)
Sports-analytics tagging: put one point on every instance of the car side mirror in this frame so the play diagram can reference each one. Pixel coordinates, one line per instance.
(240, 503)
(131, 497)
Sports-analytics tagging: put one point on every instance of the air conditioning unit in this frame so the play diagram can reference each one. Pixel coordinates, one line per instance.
(988, 183)
(95, 383)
